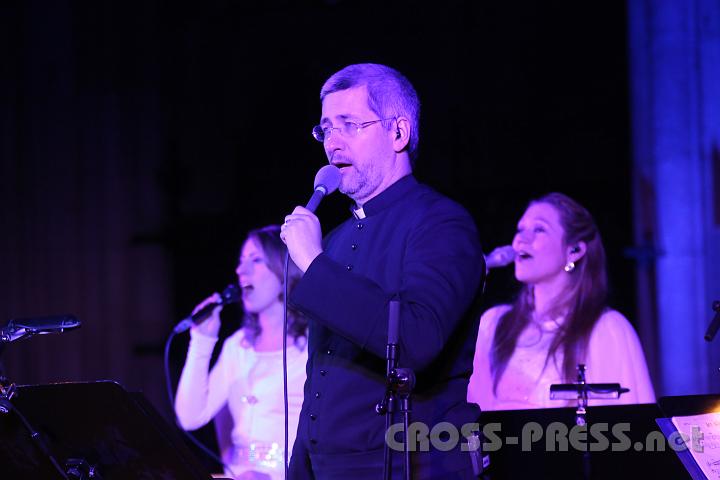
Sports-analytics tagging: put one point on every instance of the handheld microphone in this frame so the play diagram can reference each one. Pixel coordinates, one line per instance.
(231, 294)
(24, 327)
(327, 180)
(500, 257)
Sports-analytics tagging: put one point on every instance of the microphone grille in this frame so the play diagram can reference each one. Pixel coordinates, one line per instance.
(328, 177)
(500, 257)
(231, 294)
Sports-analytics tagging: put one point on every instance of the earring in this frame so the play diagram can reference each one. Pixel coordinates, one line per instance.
(569, 267)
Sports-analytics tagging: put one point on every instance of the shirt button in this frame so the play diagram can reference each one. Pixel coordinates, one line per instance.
(349, 268)
(313, 441)
(359, 226)
(353, 246)
(329, 352)
(313, 416)
(317, 394)
(323, 372)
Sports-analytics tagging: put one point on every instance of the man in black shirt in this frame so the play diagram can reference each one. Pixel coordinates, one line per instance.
(405, 242)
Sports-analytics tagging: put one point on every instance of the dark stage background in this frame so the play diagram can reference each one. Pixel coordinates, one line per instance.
(140, 140)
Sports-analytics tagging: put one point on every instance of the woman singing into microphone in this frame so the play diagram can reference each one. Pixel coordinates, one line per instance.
(559, 319)
(248, 376)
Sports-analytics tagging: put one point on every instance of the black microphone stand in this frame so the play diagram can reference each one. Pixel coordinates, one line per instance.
(398, 387)
(403, 381)
(8, 390)
(582, 392)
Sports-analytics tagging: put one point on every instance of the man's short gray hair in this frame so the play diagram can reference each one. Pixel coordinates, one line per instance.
(390, 95)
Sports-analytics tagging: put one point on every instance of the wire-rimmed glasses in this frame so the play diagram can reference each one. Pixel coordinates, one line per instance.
(347, 128)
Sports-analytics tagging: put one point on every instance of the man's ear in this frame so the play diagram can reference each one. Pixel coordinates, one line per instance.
(401, 134)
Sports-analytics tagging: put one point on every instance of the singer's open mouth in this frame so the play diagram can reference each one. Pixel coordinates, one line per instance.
(523, 255)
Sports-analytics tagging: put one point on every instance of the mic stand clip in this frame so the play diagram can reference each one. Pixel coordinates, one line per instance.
(398, 389)
(399, 383)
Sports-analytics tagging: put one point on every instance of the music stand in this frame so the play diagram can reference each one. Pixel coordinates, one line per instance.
(681, 406)
(118, 433)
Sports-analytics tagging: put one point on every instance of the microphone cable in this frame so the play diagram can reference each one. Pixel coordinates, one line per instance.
(171, 397)
(326, 181)
(286, 457)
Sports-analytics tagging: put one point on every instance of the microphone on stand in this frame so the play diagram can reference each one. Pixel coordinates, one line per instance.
(714, 324)
(231, 294)
(327, 180)
(24, 327)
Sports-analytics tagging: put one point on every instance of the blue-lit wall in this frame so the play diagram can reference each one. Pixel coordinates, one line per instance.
(674, 56)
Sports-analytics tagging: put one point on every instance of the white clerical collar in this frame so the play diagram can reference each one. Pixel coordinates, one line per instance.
(359, 213)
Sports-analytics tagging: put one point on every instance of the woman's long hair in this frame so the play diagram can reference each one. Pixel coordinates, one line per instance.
(268, 238)
(582, 303)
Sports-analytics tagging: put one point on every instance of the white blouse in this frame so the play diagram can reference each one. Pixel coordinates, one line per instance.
(614, 355)
(250, 383)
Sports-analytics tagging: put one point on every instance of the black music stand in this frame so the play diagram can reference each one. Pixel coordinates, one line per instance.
(511, 460)
(98, 424)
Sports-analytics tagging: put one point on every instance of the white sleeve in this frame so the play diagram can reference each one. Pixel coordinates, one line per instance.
(480, 388)
(615, 355)
(201, 395)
